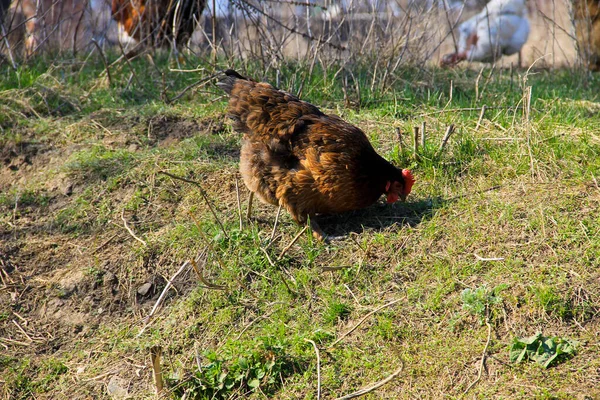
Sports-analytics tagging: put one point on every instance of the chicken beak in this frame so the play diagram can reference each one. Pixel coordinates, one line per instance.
(403, 197)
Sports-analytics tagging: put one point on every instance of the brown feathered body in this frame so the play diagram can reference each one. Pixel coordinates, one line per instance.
(295, 155)
(155, 20)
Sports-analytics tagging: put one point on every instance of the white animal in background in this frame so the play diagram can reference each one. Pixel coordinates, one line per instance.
(501, 28)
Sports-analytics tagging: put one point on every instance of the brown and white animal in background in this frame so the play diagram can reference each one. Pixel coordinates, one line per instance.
(501, 28)
(156, 21)
(56, 24)
(587, 28)
(308, 162)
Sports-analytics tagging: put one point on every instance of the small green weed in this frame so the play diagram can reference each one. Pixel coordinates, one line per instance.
(262, 368)
(336, 311)
(479, 301)
(541, 349)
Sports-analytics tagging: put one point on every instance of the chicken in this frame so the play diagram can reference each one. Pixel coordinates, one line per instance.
(587, 28)
(156, 20)
(501, 28)
(295, 156)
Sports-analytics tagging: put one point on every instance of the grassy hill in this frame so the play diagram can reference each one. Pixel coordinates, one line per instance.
(499, 239)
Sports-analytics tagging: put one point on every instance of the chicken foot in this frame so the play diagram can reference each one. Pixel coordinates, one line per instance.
(319, 234)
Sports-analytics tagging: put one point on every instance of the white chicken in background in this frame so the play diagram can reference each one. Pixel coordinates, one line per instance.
(501, 28)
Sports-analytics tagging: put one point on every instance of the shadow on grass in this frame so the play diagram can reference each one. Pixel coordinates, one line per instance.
(381, 217)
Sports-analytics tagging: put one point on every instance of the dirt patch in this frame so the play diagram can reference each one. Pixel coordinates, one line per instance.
(164, 130)
(18, 158)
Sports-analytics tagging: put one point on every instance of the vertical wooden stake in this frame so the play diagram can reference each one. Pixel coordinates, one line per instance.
(399, 138)
(416, 141)
(155, 354)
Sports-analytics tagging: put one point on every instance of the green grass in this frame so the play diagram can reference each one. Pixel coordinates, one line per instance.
(501, 229)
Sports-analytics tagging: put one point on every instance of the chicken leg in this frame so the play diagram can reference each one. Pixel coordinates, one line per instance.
(249, 211)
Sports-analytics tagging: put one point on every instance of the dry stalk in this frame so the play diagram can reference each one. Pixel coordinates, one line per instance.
(261, 317)
(218, 257)
(318, 367)
(131, 232)
(204, 195)
(106, 67)
(481, 115)
(292, 243)
(214, 31)
(22, 330)
(284, 270)
(447, 135)
(275, 224)
(483, 357)
(478, 257)
(363, 319)
(193, 85)
(155, 354)
(203, 279)
(12, 341)
(374, 386)
(161, 297)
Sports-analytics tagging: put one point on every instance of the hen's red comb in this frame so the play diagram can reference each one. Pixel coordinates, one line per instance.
(409, 180)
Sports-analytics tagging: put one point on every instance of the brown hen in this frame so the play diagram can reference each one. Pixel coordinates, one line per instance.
(310, 163)
(157, 20)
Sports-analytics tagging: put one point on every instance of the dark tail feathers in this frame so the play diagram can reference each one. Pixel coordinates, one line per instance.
(229, 80)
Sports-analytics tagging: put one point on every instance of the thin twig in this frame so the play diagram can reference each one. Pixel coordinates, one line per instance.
(103, 60)
(275, 224)
(260, 317)
(483, 108)
(447, 135)
(106, 242)
(204, 195)
(318, 367)
(483, 357)
(22, 330)
(248, 6)
(162, 296)
(193, 85)
(292, 242)
(474, 193)
(374, 386)
(203, 279)
(131, 232)
(218, 257)
(14, 342)
(477, 256)
(363, 319)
